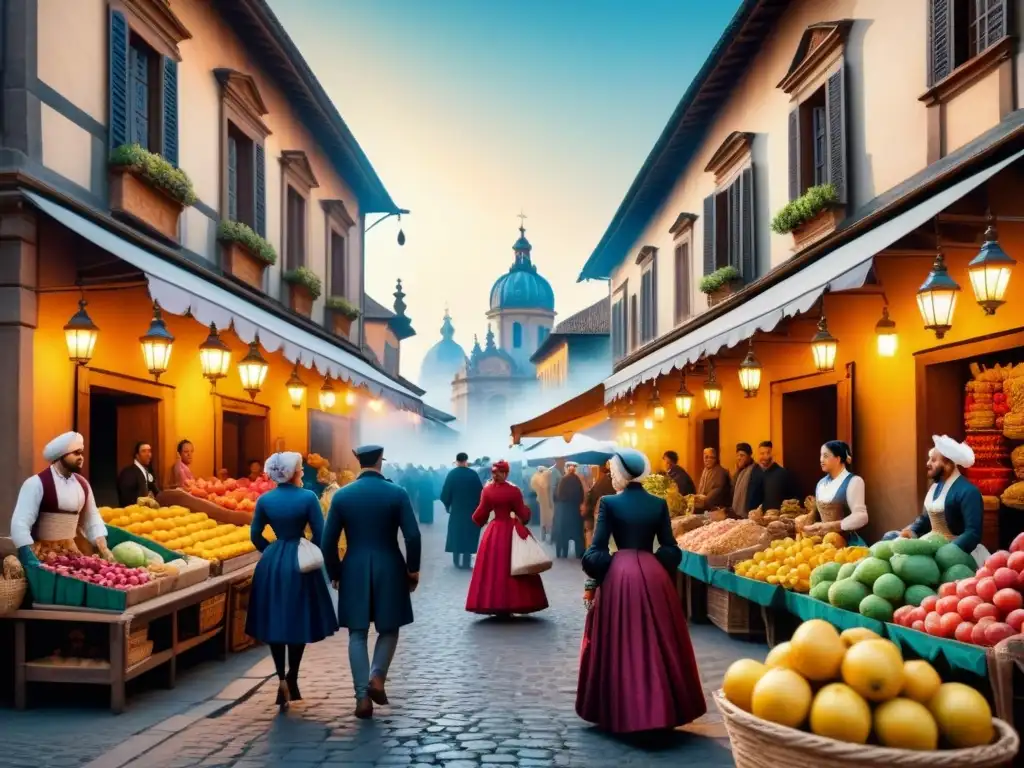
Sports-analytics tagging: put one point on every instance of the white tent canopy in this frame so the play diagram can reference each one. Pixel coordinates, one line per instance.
(556, 447)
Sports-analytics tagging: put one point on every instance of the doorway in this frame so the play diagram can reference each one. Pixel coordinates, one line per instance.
(331, 437)
(808, 421)
(118, 421)
(710, 437)
(245, 442)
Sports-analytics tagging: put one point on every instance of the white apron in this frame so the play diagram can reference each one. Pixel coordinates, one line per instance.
(935, 507)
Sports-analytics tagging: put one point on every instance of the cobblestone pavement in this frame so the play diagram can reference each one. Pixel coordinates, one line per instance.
(466, 691)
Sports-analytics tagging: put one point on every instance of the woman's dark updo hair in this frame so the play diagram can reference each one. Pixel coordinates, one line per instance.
(182, 444)
(841, 451)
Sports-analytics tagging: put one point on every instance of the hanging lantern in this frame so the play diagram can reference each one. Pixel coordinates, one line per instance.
(214, 356)
(885, 330)
(630, 422)
(824, 347)
(990, 273)
(401, 234)
(296, 388)
(684, 399)
(252, 369)
(157, 344)
(750, 372)
(712, 389)
(648, 423)
(937, 298)
(376, 405)
(350, 398)
(80, 334)
(328, 397)
(655, 405)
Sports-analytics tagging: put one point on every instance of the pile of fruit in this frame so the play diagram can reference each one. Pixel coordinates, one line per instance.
(786, 521)
(703, 540)
(231, 494)
(665, 488)
(982, 609)
(96, 570)
(892, 574)
(862, 690)
(790, 562)
(182, 530)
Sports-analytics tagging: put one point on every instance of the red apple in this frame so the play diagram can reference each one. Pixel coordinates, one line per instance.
(978, 633)
(918, 625)
(902, 614)
(1017, 545)
(917, 614)
(997, 631)
(1016, 561)
(982, 573)
(987, 589)
(933, 624)
(1008, 600)
(947, 604)
(967, 605)
(948, 589)
(963, 631)
(997, 560)
(986, 609)
(949, 622)
(1006, 578)
(930, 602)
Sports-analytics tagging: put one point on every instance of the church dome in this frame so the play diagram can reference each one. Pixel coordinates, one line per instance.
(522, 287)
(445, 358)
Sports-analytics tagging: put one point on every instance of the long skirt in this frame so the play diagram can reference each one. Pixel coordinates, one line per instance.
(637, 668)
(286, 605)
(493, 590)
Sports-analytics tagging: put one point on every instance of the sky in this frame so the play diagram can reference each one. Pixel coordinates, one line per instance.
(472, 111)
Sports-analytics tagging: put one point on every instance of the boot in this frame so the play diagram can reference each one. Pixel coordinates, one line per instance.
(364, 709)
(375, 691)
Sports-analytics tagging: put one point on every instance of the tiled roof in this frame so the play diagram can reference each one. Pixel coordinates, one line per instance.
(595, 319)
(374, 310)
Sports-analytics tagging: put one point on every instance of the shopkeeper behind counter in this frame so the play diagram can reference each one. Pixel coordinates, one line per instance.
(839, 496)
(57, 504)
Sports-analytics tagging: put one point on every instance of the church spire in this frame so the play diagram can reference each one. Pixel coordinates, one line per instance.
(399, 295)
(522, 247)
(476, 348)
(490, 337)
(447, 329)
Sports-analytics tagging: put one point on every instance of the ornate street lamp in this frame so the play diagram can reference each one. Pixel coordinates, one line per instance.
(885, 331)
(990, 273)
(750, 372)
(684, 399)
(80, 334)
(350, 398)
(655, 405)
(712, 389)
(630, 422)
(936, 298)
(252, 369)
(824, 347)
(214, 357)
(376, 405)
(328, 397)
(157, 344)
(296, 388)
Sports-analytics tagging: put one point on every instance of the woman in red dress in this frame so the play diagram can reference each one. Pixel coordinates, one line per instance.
(493, 590)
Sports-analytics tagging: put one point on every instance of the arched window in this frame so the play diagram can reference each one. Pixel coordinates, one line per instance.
(517, 335)
(542, 333)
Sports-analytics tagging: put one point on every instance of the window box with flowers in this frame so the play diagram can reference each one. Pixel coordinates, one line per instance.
(304, 287)
(720, 284)
(341, 313)
(811, 217)
(244, 254)
(147, 189)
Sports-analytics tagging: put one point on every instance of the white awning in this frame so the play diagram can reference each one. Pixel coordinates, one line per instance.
(843, 269)
(179, 291)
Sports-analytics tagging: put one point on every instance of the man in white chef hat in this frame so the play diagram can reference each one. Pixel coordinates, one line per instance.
(57, 505)
(953, 505)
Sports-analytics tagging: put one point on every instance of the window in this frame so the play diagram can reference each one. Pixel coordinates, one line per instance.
(241, 180)
(960, 30)
(817, 139)
(619, 337)
(244, 187)
(337, 264)
(517, 335)
(338, 222)
(729, 238)
(143, 95)
(542, 334)
(682, 270)
(295, 252)
(297, 182)
(648, 294)
(634, 325)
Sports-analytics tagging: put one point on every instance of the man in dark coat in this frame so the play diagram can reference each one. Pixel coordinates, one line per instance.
(136, 481)
(569, 511)
(771, 483)
(374, 581)
(678, 475)
(460, 496)
(424, 500)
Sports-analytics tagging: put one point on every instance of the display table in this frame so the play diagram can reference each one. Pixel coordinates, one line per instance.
(118, 672)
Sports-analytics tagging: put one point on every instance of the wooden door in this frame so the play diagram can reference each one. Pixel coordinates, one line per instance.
(230, 458)
(809, 420)
(252, 440)
(137, 423)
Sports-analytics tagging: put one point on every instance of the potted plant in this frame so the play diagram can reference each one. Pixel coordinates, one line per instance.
(304, 287)
(720, 284)
(244, 254)
(147, 189)
(810, 217)
(340, 314)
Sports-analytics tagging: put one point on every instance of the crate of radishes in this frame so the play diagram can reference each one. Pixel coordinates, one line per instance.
(980, 610)
(84, 580)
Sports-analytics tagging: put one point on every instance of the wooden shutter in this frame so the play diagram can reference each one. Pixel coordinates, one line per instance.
(138, 96)
(747, 235)
(940, 40)
(682, 281)
(169, 144)
(232, 178)
(261, 191)
(794, 155)
(735, 231)
(992, 22)
(835, 108)
(709, 234)
(118, 76)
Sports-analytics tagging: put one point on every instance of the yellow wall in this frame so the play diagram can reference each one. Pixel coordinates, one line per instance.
(553, 370)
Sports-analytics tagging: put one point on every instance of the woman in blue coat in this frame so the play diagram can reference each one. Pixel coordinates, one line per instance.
(287, 608)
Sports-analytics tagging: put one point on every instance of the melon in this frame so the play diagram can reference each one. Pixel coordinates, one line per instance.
(825, 572)
(890, 587)
(875, 607)
(951, 555)
(916, 593)
(957, 573)
(846, 571)
(882, 550)
(869, 569)
(903, 546)
(847, 594)
(918, 569)
(820, 590)
(935, 541)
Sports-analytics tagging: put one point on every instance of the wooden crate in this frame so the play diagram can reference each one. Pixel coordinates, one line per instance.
(733, 614)
(238, 611)
(211, 612)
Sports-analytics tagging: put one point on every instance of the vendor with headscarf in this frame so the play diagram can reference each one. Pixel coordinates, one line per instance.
(952, 505)
(57, 505)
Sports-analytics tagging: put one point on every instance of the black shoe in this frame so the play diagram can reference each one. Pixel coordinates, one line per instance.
(293, 689)
(283, 695)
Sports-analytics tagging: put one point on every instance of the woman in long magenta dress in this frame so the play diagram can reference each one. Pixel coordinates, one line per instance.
(493, 590)
(637, 668)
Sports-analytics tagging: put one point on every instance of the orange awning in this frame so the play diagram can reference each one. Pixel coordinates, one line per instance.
(582, 412)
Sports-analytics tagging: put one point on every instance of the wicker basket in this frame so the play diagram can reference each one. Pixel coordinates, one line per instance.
(137, 637)
(138, 653)
(211, 612)
(733, 614)
(12, 594)
(757, 743)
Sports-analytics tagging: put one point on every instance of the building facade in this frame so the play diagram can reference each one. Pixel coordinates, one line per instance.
(577, 353)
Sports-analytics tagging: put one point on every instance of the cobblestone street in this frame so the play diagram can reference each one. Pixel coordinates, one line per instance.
(465, 691)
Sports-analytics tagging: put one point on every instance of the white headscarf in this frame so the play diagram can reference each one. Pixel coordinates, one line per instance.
(61, 446)
(281, 467)
(960, 454)
(628, 466)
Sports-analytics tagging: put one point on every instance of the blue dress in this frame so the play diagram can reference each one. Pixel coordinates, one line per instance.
(286, 605)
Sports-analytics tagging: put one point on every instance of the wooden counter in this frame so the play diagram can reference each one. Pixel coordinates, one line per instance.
(117, 673)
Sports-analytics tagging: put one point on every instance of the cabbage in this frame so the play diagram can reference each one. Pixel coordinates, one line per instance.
(152, 558)
(129, 553)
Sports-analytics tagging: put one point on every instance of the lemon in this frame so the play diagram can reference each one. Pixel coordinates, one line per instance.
(817, 650)
(920, 681)
(740, 679)
(906, 724)
(781, 696)
(780, 656)
(963, 715)
(874, 668)
(839, 712)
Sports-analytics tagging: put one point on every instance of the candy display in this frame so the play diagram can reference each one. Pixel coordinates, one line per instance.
(790, 562)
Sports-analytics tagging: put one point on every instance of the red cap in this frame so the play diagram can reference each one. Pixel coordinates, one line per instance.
(500, 466)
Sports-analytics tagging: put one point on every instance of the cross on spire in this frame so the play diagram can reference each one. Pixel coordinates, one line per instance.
(522, 221)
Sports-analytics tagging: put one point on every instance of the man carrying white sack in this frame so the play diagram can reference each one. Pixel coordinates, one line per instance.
(57, 505)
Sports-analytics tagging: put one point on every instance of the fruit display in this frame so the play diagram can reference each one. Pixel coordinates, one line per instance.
(96, 570)
(893, 578)
(790, 562)
(180, 529)
(855, 687)
(721, 537)
(231, 494)
(982, 609)
(665, 488)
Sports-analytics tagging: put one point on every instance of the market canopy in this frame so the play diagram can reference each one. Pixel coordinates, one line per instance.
(582, 449)
(845, 268)
(181, 291)
(581, 412)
